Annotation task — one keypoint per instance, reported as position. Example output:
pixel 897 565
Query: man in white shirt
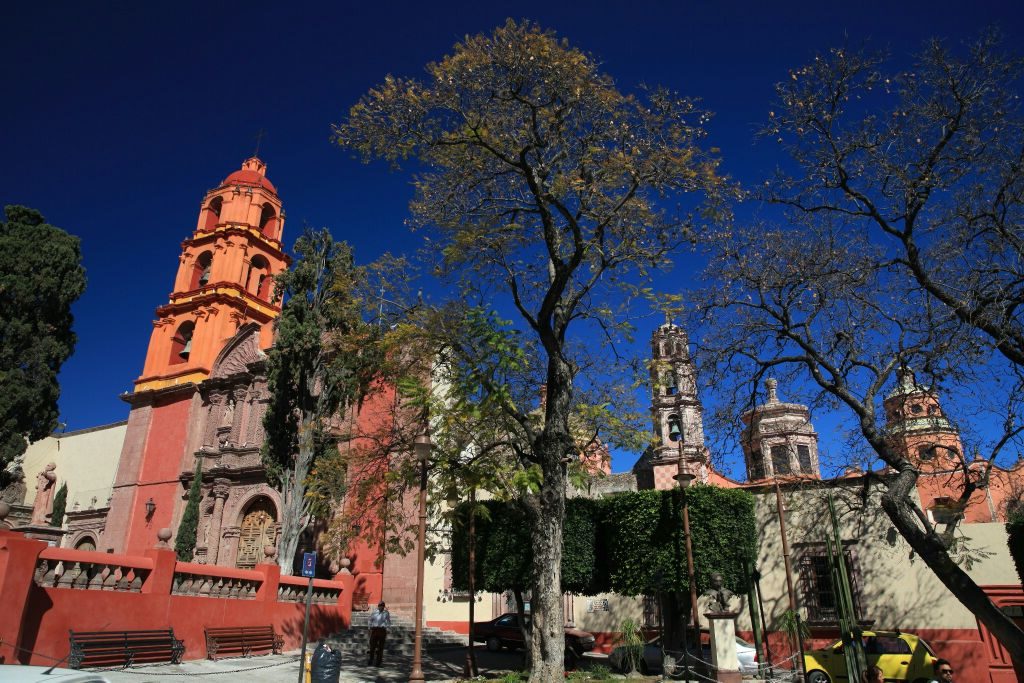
pixel 943 671
pixel 380 621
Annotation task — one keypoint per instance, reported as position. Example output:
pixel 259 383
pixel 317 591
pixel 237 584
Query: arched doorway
pixel 86 543
pixel 258 529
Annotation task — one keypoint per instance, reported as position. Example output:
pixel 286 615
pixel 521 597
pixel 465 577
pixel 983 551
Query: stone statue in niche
pixel 43 503
pixel 229 413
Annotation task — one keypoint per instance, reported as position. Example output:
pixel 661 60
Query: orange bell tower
pixel 224 280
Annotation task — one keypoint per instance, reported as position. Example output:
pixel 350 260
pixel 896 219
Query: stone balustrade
pixel 87 570
pixel 215 582
pixel 293 589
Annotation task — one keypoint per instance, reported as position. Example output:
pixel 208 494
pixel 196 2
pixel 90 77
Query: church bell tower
pixel 676 410
pixel 224 280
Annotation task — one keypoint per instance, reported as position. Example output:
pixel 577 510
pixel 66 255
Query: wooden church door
pixel 259 529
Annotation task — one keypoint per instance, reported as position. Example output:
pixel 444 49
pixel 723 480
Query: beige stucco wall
pixel 86 460
pixel 437 609
pixel 897 589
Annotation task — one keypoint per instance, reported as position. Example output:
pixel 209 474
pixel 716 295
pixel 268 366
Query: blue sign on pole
pixel 308 565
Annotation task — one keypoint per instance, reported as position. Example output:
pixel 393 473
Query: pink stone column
pixel 220 494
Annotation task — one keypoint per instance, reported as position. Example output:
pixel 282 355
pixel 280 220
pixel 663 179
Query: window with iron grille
pixel 651 611
pixel 780 459
pixel 803 454
pixel 819 595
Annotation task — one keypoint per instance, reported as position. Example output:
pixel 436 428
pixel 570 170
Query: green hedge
pixel 630 543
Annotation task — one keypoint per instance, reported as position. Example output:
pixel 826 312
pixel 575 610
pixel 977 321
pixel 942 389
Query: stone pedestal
pixel 42 532
pixel 723 646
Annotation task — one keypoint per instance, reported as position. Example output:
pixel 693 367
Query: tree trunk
pixel 933 552
pixel 548 631
pixel 293 501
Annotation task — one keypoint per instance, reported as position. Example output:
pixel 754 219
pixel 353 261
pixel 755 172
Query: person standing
pixel 380 621
pixel 943 671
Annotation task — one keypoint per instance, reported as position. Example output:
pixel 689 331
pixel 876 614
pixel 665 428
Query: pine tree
pixel 60 503
pixel 185 540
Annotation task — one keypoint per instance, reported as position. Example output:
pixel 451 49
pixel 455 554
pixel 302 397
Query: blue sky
pixel 117 117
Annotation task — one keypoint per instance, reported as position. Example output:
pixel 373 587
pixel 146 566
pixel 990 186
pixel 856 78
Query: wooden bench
pixel 242 640
pixel 124 648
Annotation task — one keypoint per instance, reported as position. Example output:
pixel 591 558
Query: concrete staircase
pixel 354 642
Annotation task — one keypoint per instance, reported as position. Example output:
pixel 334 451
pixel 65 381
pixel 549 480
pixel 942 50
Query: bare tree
pixel 903 202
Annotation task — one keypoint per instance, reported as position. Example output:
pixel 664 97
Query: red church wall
pixel 375 416
pixel 37 619
pixel 158 473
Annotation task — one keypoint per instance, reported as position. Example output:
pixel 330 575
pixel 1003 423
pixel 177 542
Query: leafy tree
pixel 542 183
pixel 323 362
pixel 60 504
pixel 188 528
pixel 41 275
pixel 903 203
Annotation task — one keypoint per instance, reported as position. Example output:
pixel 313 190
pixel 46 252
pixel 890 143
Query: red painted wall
pixel 40 626
pixel 158 474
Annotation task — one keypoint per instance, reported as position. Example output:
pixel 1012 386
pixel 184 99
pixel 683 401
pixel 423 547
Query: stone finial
pixel 771 385
pixel 345 564
pixel 5 509
pixel 163 535
pixel 269 551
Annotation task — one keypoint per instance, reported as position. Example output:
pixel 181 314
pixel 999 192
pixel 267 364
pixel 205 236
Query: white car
pixel 15 673
pixel 655 660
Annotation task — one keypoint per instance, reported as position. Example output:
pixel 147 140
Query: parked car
pixel 505 632
pixel 655 660
pixel 15 673
pixel 900 656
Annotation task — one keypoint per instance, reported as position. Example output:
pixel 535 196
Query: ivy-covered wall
pixel 629 543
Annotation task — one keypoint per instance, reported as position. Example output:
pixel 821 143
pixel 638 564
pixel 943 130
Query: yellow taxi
pixel 900 656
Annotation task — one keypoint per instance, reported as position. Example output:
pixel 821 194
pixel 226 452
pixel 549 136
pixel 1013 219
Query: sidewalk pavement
pixel 438 665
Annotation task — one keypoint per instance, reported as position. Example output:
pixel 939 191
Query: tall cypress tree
pixel 185 540
pixel 41 275
pixel 323 359
pixel 60 503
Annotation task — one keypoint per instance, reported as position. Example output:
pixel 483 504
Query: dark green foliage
pixel 580 550
pixel 630 543
pixel 323 359
pixel 503 554
pixel 643 533
pixel 1015 539
pixel 60 504
pixel 503 550
pixel 724 535
pixel 185 539
pixel 41 275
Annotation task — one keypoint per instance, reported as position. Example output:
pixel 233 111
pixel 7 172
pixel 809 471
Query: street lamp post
pixel 469 668
pixel 422 447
